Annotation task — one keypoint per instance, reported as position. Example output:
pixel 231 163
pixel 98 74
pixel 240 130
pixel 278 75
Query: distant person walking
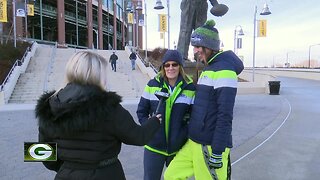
pixel 88 123
pixel 113 60
pixel 133 58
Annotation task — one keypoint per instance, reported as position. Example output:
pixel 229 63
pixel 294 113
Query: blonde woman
pixel 88 123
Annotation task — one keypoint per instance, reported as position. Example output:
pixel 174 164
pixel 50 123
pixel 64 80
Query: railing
pixel 16 63
pixel 148 64
pixel 49 68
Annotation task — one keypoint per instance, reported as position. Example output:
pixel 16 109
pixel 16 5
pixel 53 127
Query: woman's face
pixel 201 54
pixel 171 69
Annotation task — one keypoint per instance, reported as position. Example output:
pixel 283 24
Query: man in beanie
pixel 206 155
pixel 175 113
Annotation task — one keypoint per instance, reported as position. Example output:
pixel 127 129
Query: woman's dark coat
pixel 88 125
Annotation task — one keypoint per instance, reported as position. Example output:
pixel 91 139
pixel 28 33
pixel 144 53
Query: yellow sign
pixel 162 22
pixel 30 8
pixel 130 18
pixel 3 11
pixel 262 28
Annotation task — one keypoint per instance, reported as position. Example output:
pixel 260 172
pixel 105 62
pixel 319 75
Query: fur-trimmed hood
pixel 75 108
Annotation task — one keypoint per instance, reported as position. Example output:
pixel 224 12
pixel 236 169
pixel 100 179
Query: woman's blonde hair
pixel 87 68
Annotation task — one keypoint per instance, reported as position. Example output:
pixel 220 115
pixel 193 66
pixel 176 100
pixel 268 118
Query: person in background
pixel 206 155
pixel 88 123
pixel 133 58
pixel 173 132
pixel 113 60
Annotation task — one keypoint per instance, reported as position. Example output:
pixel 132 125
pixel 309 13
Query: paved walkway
pixel 18 126
pixel 263 126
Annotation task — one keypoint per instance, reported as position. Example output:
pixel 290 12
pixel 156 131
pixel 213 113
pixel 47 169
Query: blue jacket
pixel 212 112
pixel 172 134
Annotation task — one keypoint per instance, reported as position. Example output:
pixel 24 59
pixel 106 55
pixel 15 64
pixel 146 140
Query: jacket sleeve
pixel 143 110
pixel 129 132
pixel 225 102
pixel 51 165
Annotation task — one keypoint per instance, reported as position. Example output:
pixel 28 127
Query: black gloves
pixel 215 161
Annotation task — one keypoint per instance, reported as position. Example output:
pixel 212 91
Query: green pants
pixel 190 161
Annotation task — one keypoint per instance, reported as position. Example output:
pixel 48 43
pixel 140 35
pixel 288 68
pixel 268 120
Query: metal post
pixel 14 23
pixel 254 42
pixel 146 29
pixel 235 40
pixel 26 18
pixel 309 59
pixel 41 21
pixel 168 23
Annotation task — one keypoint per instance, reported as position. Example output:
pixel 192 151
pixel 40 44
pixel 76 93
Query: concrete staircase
pixel 31 84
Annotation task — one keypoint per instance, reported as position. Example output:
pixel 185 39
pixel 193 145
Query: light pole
pixel 265 11
pixel 237 32
pixel 158 7
pixel 14 23
pixel 146 29
pixel 133 6
pixel 287 59
pixel 309 60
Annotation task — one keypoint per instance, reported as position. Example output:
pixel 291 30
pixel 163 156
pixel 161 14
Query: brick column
pixel 61 24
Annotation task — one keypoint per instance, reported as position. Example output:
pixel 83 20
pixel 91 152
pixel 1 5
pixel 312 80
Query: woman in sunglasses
pixel 172 134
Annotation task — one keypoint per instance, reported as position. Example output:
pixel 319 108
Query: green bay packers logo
pixel 34 151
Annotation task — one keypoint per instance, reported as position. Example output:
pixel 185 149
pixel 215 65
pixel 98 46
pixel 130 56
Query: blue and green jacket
pixel 175 113
pixel 212 112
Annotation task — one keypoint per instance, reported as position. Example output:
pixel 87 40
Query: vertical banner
pixel 30 9
pixel 262 28
pixel 162 22
pixel 141 20
pixel 130 18
pixel 20 9
pixel 3 11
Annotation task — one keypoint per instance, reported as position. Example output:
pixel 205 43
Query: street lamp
pixel 287 64
pixel 265 11
pixel 309 62
pixel 160 6
pixel 133 7
pixel 237 32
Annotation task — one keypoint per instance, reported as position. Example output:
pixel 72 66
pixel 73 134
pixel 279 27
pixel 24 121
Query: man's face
pixel 201 54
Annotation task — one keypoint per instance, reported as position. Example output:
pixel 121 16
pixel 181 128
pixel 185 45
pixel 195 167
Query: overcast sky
pixel 291 29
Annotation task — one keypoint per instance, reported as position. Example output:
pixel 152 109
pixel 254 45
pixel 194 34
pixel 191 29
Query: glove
pixel 215 161
pixel 157 117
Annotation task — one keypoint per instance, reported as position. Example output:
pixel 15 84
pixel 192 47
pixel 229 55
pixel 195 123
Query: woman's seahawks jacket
pixel 175 113
pixel 212 112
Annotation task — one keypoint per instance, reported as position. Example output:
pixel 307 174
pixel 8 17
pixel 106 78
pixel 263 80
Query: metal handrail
pixel 49 68
pixel 18 62
pixel 148 64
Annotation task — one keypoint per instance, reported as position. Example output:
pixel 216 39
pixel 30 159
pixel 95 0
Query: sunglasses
pixel 168 65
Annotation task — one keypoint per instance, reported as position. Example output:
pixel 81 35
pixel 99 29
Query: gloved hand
pixel 158 117
pixel 215 161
